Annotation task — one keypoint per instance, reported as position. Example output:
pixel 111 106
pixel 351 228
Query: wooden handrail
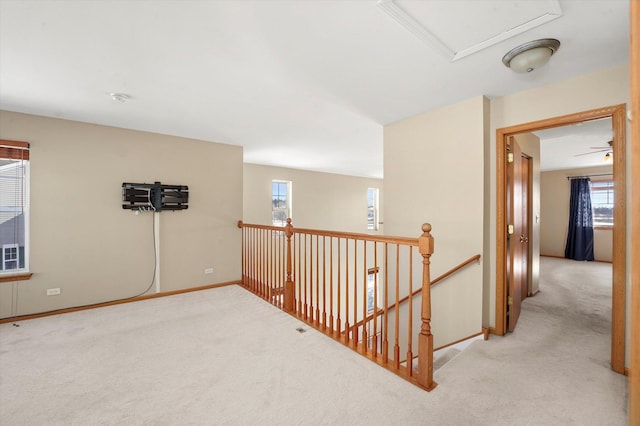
pixel 445 275
pixel 417 292
pixel 347 235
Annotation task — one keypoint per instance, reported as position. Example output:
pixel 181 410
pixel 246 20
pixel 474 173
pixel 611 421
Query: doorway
pixel 617 115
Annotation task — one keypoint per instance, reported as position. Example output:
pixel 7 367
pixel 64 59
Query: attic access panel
pixel 459 29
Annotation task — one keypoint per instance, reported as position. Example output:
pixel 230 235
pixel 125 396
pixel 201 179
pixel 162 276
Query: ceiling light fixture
pixel 120 97
pixel 531 55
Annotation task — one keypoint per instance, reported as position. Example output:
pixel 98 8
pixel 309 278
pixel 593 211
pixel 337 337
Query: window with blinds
pixel 602 193
pixel 280 202
pixel 372 209
pixel 14 206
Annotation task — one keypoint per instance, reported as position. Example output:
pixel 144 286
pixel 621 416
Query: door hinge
pixel 510 300
pixel 510 157
pixel 510 229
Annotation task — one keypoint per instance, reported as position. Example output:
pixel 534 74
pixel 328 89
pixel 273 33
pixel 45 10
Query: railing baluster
pixel 251 257
pixel 385 337
pixel 271 284
pixel 346 292
pixel 306 283
pixel 280 274
pixel 331 319
pixel 299 277
pixel 354 338
pixel 375 299
pixel 256 261
pixel 260 262
pixel 410 322
pixel 317 282
pixel 324 282
pixel 396 347
pixel 365 333
pixel 250 250
pixel 265 264
pixel 338 327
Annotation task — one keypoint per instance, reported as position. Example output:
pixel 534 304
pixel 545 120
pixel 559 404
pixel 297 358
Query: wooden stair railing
pixel 417 292
pixel 321 277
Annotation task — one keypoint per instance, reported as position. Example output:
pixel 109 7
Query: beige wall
pixel 556 190
pixel 319 200
pixel 434 172
pixel 599 89
pixel 83 242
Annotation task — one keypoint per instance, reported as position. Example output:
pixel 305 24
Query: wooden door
pixel 525 230
pixel 515 234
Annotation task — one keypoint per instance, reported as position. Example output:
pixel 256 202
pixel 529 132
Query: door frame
pixel 617 115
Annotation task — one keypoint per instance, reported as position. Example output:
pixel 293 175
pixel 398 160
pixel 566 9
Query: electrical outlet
pixel 208 271
pixel 53 291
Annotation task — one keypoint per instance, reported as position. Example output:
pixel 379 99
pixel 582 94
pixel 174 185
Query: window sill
pixel 22 276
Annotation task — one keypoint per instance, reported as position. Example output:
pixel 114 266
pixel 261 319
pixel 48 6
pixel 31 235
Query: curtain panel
pixel 580 233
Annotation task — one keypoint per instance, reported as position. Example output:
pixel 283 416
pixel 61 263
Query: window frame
pixel 373 194
pixel 287 208
pixel 20 152
pixel 16 259
pixel 608 187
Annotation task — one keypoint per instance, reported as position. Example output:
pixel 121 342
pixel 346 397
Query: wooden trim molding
pixel 482 333
pixel 464 339
pixel 617 114
pixel 9 278
pixel 115 302
pixel 634 352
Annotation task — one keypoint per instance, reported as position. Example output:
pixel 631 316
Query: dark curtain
pixel 580 236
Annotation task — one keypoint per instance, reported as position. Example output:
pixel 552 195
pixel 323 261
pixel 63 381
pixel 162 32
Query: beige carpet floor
pixel 225 357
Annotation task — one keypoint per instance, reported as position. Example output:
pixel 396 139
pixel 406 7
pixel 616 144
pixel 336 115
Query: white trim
pixel 17 258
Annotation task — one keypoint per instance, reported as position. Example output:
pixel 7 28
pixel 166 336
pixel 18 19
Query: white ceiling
pixel 575 146
pixel 304 84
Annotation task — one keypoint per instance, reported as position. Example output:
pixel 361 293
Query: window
pixel 372 280
pixel 372 209
pixel 10 256
pixel 280 202
pixel 14 205
pixel 602 203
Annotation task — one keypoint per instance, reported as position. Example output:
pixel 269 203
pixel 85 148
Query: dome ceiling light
pixel 531 55
pixel 120 97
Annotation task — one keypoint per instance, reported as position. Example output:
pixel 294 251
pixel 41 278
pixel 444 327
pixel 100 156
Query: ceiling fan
pixel 608 149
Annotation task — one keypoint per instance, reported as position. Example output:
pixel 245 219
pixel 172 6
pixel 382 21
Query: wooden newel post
pixel 425 338
pixel 289 288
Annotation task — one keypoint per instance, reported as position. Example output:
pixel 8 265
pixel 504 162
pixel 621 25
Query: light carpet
pixel 224 356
